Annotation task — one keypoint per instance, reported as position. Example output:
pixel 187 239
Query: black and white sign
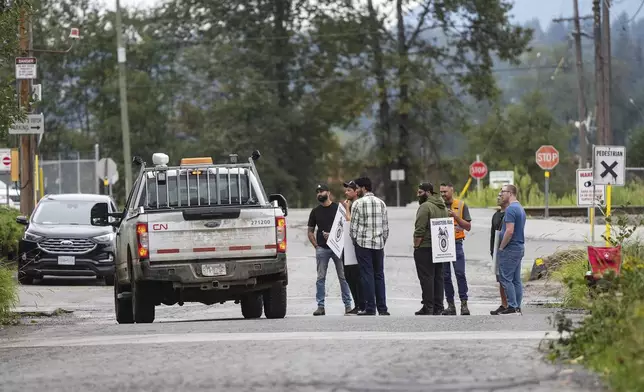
pixel 609 165
pixel 336 236
pixel 26 68
pixel 443 240
pixel 585 189
pixel 35 125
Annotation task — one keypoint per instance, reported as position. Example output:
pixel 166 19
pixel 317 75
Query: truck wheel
pixel 251 305
pixel 25 279
pixel 122 307
pixel 142 303
pixel 275 302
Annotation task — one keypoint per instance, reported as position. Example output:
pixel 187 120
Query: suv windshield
pixel 58 212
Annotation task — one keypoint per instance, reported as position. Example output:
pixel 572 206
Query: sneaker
pixel 510 310
pixel 497 310
pixel 352 312
pixel 464 310
pixel 319 312
pixel 348 310
pixel 424 312
pixel 365 313
pixel 450 311
pixel 384 313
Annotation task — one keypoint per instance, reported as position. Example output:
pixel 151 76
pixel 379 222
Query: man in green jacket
pixel 430 274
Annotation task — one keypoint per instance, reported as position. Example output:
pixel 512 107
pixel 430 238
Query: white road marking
pixel 275 336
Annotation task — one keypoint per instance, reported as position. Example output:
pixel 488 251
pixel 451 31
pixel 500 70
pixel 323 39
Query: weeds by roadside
pixel 610 339
pixel 10 233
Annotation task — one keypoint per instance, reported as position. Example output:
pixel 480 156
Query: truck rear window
pixel 194 190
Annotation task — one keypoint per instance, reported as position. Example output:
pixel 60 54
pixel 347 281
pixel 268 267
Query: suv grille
pixel 67 245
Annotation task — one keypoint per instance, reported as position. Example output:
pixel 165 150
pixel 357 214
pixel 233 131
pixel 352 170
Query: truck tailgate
pixel 212 233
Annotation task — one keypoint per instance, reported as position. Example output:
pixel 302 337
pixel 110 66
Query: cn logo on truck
pixel 159 226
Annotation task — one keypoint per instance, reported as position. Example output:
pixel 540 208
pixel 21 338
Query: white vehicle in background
pixel 198 232
pixel 14 196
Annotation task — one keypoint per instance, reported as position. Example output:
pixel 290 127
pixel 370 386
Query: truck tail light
pixel 142 240
pixel 280 230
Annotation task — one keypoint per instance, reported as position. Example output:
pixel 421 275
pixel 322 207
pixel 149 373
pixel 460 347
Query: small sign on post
pixel 587 194
pixel 547 158
pixel 5 160
pixel 35 125
pixel 26 68
pixel 478 170
pixel 397 176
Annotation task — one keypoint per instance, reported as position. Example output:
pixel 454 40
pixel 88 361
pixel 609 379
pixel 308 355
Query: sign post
pixel 547 158
pixel 609 168
pixel 398 176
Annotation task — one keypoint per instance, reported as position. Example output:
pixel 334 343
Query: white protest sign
pixel 495 257
pixel 336 235
pixel 349 250
pixel 443 240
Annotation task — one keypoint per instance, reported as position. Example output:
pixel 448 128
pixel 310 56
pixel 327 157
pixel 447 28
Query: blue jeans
pixel 372 278
pixel 459 271
pixel 322 256
pixel 510 275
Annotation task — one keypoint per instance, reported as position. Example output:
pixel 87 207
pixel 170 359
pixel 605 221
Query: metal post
pixel 78 171
pixel 547 188
pixel 397 193
pixel 60 175
pixel 97 157
pixel 478 180
pixel 26 141
pixel 125 122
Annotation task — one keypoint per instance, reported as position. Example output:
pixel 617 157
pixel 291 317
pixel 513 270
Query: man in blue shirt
pixel 512 249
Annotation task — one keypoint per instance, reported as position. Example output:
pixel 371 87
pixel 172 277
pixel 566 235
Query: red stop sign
pixel 547 157
pixel 6 160
pixel 478 170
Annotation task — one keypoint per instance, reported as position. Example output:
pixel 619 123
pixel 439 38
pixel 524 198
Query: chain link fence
pixel 73 172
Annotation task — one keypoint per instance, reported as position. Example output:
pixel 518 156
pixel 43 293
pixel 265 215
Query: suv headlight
pixel 31 237
pixel 109 237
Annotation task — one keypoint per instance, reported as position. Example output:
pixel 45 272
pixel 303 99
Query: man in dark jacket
pixel 430 274
pixel 497 222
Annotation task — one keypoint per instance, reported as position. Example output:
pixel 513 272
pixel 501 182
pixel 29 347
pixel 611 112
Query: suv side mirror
pixel 22 220
pixel 281 201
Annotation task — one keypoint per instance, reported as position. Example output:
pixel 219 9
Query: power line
pixel 637 12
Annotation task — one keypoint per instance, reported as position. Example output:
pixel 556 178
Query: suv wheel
pixel 275 302
pixel 122 307
pixel 251 305
pixel 142 303
pixel 25 279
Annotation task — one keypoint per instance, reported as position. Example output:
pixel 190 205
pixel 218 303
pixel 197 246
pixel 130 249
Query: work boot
pixel 451 310
pixel 464 310
pixel 319 312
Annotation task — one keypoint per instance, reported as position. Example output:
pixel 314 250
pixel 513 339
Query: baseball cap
pixel 426 186
pixel 350 184
pixel 321 188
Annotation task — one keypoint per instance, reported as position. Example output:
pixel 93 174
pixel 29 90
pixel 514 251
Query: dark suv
pixel 59 239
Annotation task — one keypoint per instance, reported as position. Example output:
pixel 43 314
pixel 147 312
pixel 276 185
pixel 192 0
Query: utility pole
pixel 606 53
pixel 125 121
pixel 599 73
pixel 27 142
pixel 581 99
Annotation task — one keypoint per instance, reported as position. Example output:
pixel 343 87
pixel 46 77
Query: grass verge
pixel 10 233
pixel 609 340
pixel 8 294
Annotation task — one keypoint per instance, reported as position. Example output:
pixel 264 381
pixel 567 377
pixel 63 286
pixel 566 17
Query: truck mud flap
pixel 206 213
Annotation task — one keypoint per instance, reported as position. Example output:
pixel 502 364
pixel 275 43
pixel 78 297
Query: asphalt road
pixel 205 348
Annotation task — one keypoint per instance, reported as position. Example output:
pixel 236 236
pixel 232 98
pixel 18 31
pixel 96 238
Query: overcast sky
pixel 523 10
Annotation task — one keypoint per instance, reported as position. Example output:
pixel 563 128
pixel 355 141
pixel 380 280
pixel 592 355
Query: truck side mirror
pixel 99 215
pixel 281 201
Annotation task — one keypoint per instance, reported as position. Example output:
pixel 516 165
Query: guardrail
pixel 570 212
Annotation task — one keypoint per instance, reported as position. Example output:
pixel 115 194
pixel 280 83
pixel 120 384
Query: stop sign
pixel 547 157
pixel 478 170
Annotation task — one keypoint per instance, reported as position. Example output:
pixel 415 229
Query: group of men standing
pixel 369 231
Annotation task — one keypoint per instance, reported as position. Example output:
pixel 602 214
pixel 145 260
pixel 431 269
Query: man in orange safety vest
pixel 462 222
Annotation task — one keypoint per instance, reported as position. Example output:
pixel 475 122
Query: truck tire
pixel 25 279
pixel 122 307
pixel 251 305
pixel 275 302
pixel 142 304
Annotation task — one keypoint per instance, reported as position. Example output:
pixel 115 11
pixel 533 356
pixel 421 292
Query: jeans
pixel 352 272
pixel 322 256
pixel 510 275
pixel 372 278
pixel 459 271
pixel 430 275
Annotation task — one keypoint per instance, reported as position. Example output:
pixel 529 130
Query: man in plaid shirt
pixel 369 231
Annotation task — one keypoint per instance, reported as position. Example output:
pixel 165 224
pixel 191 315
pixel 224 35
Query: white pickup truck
pixel 198 232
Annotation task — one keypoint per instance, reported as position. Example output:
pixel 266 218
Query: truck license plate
pixel 66 260
pixel 213 269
